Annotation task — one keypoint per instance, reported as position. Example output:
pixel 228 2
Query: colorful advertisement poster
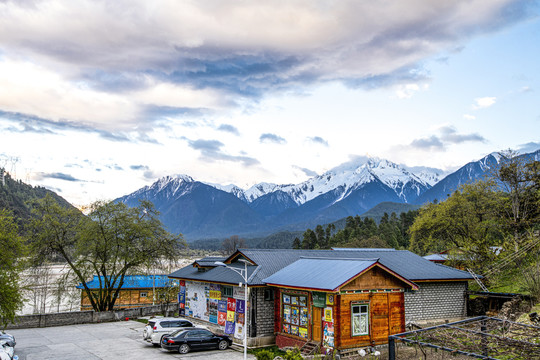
pixel 222 305
pixel 328 315
pixel 295 315
pixel 230 316
pixel 302 301
pixel 215 294
pixel 303 316
pixel 229 327
pixel 328 334
pixel 303 332
pixel 182 283
pixel 240 306
pixel 239 332
pixel 294 300
pixel 222 318
pixel 215 287
pixel 286 299
pixel 213 311
pixel 319 299
pixel 329 299
pixel 231 304
pixel 287 313
pixel 240 318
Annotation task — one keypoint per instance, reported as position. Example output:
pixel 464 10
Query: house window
pixel 226 291
pixel 294 317
pixel 360 319
pixel 144 294
pixel 268 295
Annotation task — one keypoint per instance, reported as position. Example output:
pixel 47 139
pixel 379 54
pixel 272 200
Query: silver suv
pixel 157 328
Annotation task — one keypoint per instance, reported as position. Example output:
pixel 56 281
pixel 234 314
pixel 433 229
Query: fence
pixel 88 317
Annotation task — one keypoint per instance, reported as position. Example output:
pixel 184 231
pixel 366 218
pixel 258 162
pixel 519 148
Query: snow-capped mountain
pixel 201 210
pixel 348 176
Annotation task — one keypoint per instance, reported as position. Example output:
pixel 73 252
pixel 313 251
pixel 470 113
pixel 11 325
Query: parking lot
pixel 115 340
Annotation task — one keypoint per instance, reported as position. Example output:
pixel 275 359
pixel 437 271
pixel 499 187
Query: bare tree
pixel 232 243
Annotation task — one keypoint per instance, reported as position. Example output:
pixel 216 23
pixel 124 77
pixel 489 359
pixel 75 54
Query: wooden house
pixel 137 290
pixel 378 288
pixel 339 303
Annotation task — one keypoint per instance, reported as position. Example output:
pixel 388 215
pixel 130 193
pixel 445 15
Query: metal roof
pixel 133 282
pixel 209 261
pixel 436 257
pixel 319 273
pixel 270 261
pixel 218 274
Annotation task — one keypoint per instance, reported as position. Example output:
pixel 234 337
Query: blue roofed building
pixel 136 291
pixel 338 298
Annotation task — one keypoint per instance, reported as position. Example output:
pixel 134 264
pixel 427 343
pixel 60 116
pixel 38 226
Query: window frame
pixel 143 294
pixel 360 314
pixel 226 291
pixel 299 306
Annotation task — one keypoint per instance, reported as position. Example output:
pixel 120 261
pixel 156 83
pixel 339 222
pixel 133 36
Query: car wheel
pixel 223 345
pixel 183 349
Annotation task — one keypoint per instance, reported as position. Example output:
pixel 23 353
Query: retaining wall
pixel 86 317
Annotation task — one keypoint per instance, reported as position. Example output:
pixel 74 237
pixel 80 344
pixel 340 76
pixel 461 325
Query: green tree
pixel 296 243
pixel 467 221
pixel 112 242
pixel 11 265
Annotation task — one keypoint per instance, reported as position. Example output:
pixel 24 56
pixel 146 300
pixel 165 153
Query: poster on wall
pixel 222 305
pixel 303 316
pixel 231 304
pixel 239 332
pixel 287 313
pixel 328 334
pixel 286 299
pixel 213 313
pixel 328 315
pixel 222 318
pixel 319 299
pixel 240 318
pixel 329 299
pixel 230 316
pixel 240 306
pixel 303 332
pixel 229 327
pixel 295 315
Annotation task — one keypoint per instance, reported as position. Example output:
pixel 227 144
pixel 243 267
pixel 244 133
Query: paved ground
pixel 116 340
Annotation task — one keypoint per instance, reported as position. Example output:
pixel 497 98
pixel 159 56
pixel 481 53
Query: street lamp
pixel 244 275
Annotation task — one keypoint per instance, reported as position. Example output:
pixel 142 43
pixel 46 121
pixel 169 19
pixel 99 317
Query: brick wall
pixel 436 301
pixel 285 341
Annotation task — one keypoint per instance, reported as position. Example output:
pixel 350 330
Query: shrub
pixel 265 355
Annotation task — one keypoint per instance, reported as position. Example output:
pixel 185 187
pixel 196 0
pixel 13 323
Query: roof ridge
pixel 336 258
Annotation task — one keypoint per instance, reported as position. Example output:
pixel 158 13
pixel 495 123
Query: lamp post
pixel 243 274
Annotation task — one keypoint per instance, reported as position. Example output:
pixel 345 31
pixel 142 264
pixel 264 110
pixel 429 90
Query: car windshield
pixel 177 333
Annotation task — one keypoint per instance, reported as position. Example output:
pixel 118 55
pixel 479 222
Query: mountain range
pixel 201 210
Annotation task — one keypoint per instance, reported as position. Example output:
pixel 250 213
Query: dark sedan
pixel 185 340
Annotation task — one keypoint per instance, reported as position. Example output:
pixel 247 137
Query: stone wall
pixel 265 313
pixel 436 301
pixel 85 317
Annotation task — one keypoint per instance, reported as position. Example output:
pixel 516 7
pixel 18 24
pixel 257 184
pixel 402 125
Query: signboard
pixel 319 299
pixel 215 294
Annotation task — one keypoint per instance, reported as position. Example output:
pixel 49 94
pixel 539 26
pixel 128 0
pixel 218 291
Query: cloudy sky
pixel 99 98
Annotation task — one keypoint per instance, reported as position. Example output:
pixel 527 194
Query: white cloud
pixel 484 102
pixel 469 117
